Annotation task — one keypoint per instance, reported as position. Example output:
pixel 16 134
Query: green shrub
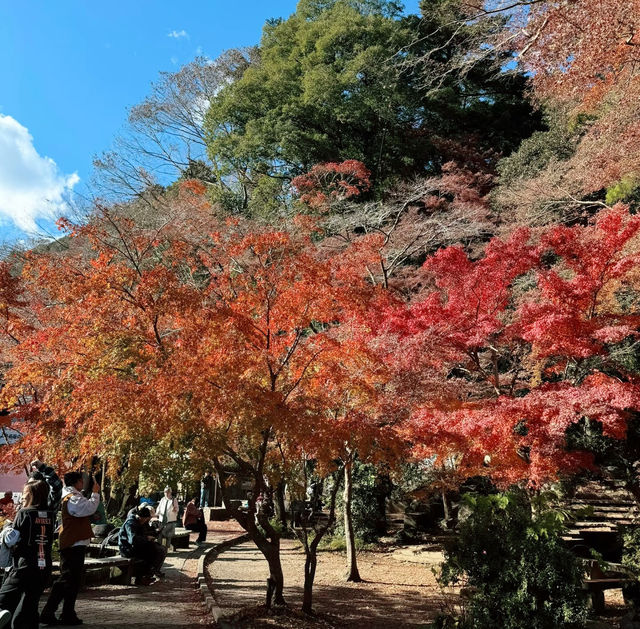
pixel 514 562
pixel 631 548
pixel 369 491
pixel 623 190
pixel 337 543
pixel 631 559
pixel 115 521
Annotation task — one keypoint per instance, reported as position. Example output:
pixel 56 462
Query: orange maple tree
pixel 238 339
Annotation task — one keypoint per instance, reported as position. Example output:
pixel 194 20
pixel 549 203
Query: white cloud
pixel 178 34
pixel 31 186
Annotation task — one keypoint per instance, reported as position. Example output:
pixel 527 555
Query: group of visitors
pixel 26 549
pixel 26 543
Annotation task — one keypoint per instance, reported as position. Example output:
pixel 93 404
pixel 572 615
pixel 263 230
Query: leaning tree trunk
pixel 268 542
pixel 352 563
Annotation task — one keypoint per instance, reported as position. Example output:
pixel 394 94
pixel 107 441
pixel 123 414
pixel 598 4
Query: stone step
pixel 594 524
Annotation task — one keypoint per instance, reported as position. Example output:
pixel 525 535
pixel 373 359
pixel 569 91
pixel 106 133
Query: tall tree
pixel 591 152
pixel 335 82
pixel 221 335
pixel 164 135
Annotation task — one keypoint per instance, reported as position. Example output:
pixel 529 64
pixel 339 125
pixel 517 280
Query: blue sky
pixel 69 69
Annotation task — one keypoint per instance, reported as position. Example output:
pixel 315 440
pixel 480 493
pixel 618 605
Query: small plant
pixel 115 521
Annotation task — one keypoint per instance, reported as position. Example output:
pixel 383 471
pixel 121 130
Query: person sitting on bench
pixel 134 543
pixel 193 520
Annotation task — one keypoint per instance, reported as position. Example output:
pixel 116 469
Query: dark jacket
pixel 133 535
pixel 206 483
pixel 33 551
pixel 47 474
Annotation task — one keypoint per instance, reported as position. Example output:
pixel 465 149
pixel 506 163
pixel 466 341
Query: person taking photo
pixel 75 536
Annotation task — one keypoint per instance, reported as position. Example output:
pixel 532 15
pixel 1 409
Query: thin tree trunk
pixel 311 549
pixel 310 563
pixel 445 505
pixel 353 573
pixel 279 503
pixel 128 500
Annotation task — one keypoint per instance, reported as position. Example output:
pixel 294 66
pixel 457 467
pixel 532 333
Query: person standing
pixel 42 471
pixel 30 537
pixel 75 536
pixel 193 520
pixel 206 486
pixel 167 514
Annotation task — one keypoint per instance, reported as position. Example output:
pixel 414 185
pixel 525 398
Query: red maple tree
pixel 515 347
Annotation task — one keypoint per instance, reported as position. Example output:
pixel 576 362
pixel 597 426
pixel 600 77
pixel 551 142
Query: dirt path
pixel 395 594
pixel 168 604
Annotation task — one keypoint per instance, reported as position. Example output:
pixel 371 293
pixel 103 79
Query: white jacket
pixel 168 507
pixel 81 507
pixel 9 537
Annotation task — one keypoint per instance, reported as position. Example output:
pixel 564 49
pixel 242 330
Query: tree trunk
pixel 352 564
pixel 275 582
pixel 279 504
pixel 310 563
pixel 268 542
pixel 311 548
pixel 129 500
pixel 446 506
pixel 383 491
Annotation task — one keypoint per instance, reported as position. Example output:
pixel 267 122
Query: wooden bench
pixel 102 564
pixel 614 577
pixel 180 539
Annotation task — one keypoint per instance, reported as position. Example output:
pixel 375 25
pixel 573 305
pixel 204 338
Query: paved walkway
pixel 171 603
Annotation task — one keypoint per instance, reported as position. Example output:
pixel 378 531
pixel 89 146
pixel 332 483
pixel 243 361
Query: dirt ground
pixel 394 594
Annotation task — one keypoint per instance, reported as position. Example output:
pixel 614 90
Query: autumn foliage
pixel 331 182
pixel 470 317
pixel 521 345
